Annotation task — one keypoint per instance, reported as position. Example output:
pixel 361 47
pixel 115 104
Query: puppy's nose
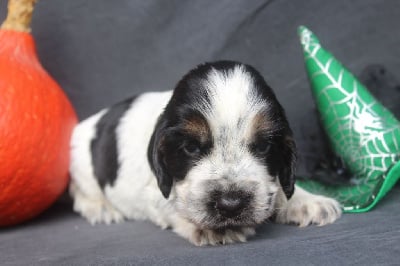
pixel 230 205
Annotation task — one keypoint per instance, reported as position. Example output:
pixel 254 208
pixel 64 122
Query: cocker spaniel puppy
pixel 211 159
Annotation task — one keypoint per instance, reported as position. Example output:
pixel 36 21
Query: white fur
pixel 135 194
pixel 232 96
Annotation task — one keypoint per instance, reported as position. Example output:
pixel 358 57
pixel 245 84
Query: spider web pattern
pixel 361 130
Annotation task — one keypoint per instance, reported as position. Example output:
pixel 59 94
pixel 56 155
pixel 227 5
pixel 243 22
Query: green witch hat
pixel 361 130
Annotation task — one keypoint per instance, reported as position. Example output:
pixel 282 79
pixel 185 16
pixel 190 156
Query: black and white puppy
pixel 212 159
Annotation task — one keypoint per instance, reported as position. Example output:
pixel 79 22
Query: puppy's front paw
pixel 310 209
pixel 203 237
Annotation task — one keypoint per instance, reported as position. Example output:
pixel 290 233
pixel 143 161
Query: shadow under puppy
pixel 212 159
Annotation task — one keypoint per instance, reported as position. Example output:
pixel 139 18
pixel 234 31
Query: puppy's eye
pixel 191 148
pixel 262 148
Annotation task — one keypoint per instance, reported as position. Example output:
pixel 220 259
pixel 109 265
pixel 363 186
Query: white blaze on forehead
pixel 233 98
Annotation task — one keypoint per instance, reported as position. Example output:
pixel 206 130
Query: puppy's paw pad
pixel 315 209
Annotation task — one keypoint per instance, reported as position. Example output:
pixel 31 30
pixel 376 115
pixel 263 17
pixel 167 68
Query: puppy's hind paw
pixel 97 210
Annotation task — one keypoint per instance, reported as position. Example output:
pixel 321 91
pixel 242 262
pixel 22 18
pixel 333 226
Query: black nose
pixel 230 205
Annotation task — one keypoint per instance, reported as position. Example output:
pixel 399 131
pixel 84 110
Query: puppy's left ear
pixel 156 157
pixel 287 170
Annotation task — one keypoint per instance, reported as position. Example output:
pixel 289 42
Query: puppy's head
pixel 223 148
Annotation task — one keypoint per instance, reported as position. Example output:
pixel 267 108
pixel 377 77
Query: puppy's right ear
pixel 156 157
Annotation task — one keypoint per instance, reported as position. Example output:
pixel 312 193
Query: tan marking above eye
pixel 261 122
pixel 197 126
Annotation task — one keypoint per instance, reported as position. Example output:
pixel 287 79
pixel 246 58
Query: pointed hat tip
pixel 306 36
pixel 301 29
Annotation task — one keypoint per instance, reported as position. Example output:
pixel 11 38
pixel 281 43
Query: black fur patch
pixel 104 145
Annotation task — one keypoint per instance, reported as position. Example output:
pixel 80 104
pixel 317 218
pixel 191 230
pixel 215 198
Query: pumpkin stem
pixel 19 15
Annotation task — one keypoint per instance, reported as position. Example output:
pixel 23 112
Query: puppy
pixel 212 160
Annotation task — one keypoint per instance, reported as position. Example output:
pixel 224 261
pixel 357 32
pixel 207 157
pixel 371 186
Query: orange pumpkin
pixel 36 122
